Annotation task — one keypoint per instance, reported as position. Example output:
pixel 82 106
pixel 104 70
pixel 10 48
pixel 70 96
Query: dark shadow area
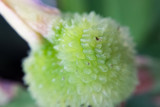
pixel 12 50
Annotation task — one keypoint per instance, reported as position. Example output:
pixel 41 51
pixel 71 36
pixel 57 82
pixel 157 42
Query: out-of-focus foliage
pixel 22 99
pixel 141 16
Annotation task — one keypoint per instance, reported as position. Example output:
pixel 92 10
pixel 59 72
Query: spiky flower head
pixel 82 61
pixel 86 60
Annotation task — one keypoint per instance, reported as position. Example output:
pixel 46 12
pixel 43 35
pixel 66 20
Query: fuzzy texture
pixel 85 61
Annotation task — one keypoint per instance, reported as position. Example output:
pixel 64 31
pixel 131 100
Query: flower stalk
pixel 29 18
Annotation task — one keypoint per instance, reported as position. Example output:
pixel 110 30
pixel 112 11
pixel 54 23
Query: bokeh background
pixel 141 16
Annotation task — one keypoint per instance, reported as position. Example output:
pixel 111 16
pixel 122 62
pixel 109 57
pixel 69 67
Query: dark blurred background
pixel 141 16
pixel 12 50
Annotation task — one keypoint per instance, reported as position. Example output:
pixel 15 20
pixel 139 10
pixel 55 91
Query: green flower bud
pixel 78 60
pixel 83 61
